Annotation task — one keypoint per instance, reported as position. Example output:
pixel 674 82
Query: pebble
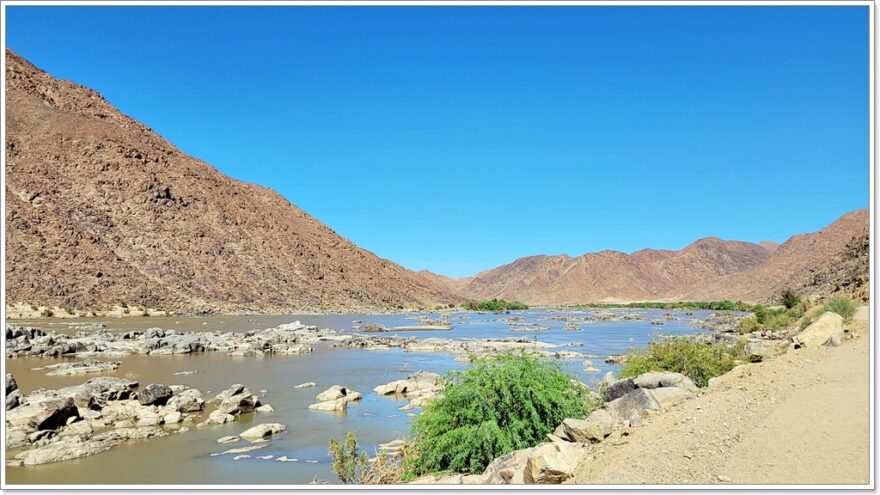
pixel 723 479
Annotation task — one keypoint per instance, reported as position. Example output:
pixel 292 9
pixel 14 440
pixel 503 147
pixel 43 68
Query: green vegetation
pixel 699 361
pixel 68 310
pixel 47 313
pixel 493 408
pixel 494 305
pixel 355 467
pixel 709 305
pixel 790 298
pixel 843 306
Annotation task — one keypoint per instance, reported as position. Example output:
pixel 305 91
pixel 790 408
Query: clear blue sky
pixel 459 139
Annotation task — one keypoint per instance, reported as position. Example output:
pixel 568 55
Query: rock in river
pixel 262 431
pixel 154 394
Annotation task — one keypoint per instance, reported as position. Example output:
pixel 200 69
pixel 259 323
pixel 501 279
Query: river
pixel 185 458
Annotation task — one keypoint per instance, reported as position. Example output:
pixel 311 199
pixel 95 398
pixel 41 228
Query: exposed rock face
pixel 552 463
pixel 101 209
pixel 154 394
pixel 633 404
pixel 593 429
pixel 831 261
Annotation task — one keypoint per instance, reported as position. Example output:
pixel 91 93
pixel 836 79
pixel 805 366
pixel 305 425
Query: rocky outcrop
pixel 595 428
pixel 154 393
pixel 419 388
pixel 261 431
pixel 335 399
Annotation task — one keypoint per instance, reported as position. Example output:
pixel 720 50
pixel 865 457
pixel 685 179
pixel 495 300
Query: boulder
pixel 657 379
pixel 13 399
pixel 670 396
pixel 593 429
pixel 552 463
pixel 825 327
pixel 261 431
pixel 228 439
pixel 332 393
pixel 189 400
pixel 11 384
pixel 154 394
pixel 46 414
pixel 265 408
pixel 508 469
pixel 338 405
pixel 239 404
pixel 635 403
pixel 618 389
pixel 16 437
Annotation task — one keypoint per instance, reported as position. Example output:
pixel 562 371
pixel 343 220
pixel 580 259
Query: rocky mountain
pixel 100 210
pixel 830 261
pixel 833 259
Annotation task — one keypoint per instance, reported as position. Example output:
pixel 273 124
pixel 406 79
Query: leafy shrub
pixel 68 310
pixel 47 313
pixel 790 298
pixel 776 318
pixel 494 305
pixel 748 325
pixel 492 408
pixel 843 306
pixel 699 361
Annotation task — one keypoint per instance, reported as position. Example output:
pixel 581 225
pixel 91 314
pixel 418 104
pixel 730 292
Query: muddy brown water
pixel 185 458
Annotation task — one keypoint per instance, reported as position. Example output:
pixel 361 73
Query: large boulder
pixel 13 399
pixel 509 469
pixel 633 404
pixel 618 389
pixel 154 394
pixel 552 463
pixel 670 396
pixel 827 327
pixel 658 379
pixel 189 400
pixel 338 405
pixel 332 393
pixel 593 429
pixel 262 431
pixel 45 414
pixel 239 404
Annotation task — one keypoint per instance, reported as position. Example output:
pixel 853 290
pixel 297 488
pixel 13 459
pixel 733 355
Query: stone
pixel 305 385
pixel 186 401
pixel 265 408
pixel 149 418
pixel 332 393
pixel 219 417
pixel 11 384
pixel 240 404
pixel 13 399
pixel 45 414
pixel 670 396
pixel 338 405
pixel 154 394
pixel 228 439
pixel 16 437
pixel 817 333
pixel 508 469
pixel 635 403
pixel 657 379
pixel 264 430
pixel 593 429
pixel 553 463
pixel 618 389
pixel 173 418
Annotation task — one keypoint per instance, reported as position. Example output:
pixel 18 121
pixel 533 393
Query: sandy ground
pixel 801 418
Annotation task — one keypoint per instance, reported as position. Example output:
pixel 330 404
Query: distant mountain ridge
pixel 100 210
pixel 709 268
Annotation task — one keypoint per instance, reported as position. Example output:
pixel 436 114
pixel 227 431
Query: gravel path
pixel 801 418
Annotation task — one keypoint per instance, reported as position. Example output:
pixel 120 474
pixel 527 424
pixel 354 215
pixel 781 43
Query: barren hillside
pixel 101 210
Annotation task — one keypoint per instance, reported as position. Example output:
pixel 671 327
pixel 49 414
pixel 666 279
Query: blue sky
pixel 459 139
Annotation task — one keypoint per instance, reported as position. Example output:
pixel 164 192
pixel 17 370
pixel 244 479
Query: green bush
pixel 843 306
pixel 748 325
pixel 790 298
pixel 494 305
pixel 776 318
pixel 699 361
pixel 494 407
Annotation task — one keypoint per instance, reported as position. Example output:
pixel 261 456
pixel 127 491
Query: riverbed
pixel 186 458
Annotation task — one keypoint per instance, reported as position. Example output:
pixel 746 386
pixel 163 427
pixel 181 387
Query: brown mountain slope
pixel 101 210
pixel 612 275
pixel 836 256
pixel 833 260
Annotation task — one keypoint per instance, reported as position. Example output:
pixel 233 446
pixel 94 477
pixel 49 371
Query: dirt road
pixel 801 418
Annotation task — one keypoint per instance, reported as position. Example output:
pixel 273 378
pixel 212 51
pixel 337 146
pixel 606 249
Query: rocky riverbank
pixel 577 449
